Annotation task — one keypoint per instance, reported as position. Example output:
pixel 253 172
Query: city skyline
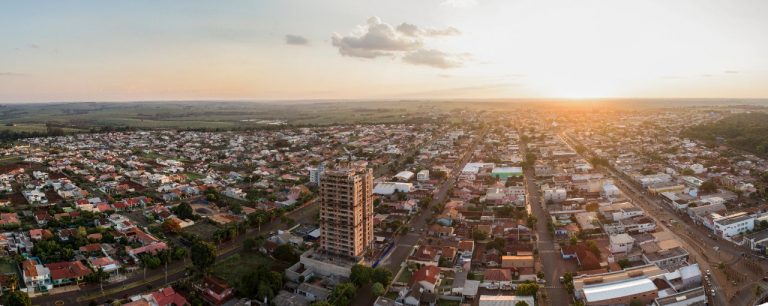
pixel 441 49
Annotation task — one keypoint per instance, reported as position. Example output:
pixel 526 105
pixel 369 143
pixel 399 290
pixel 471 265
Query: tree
pixel 236 208
pixel 19 298
pixel 285 253
pixel 171 226
pixel 184 211
pixel 378 289
pixel 100 275
pixel 381 275
pixel 624 263
pixel 203 255
pixel 322 303
pixel 178 253
pixel 342 294
pixel 13 281
pixel 265 292
pixel 530 159
pixel 521 303
pixel 261 283
pixel 635 302
pixel 360 275
pixel 708 186
pixel 497 243
pixel 527 289
pixel 479 235
pixel 248 244
pixel 530 221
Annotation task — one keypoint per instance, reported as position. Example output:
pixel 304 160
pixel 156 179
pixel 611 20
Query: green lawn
pixel 8 267
pixel 10 160
pixel 194 176
pixel 405 276
pixel 391 295
pixel 447 303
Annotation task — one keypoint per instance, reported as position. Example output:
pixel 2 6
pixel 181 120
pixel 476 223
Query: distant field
pixel 31 127
pixel 212 115
pixel 228 115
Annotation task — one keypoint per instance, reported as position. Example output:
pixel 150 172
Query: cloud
pixel 406 41
pixel 408 29
pixel 33 46
pixel 435 58
pixel 459 3
pixel 415 31
pixel 731 71
pixel 296 40
pixel 374 39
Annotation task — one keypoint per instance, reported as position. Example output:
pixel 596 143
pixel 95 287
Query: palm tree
pixel 101 276
pixel 13 281
pixel 165 256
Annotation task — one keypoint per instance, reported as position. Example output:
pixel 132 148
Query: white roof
pixel 470 287
pixel 505 300
pixel 387 188
pixel 404 175
pixel 507 170
pixel 690 271
pixel 475 167
pixel 629 287
pixel 314 233
pixel 621 239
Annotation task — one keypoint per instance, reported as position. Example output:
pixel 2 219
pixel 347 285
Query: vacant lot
pixel 233 268
pixel 202 229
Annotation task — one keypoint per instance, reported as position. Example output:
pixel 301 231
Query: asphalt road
pixel 549 256
pixel 135 283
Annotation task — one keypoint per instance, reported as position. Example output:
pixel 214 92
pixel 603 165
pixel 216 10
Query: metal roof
pixel 629 287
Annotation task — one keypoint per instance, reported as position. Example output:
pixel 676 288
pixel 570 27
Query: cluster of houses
pixel 717 190
pixel 619 253
pixel 480 238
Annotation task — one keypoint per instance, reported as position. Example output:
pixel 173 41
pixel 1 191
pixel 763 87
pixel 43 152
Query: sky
pixel 333 49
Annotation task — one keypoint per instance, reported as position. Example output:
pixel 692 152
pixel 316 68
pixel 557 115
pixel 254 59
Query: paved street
pixel 549 256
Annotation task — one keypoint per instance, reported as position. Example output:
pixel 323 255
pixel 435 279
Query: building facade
pixel 346 211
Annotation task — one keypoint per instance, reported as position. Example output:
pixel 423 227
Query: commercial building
pixel 621 292
pixel 422 176
pixel 621 243
pixel 601 284
pixel 346 211
pixel 735 224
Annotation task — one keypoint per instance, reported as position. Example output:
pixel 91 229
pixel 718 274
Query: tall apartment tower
pixel 346 211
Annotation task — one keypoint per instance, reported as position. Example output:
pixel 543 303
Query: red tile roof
pixel 426 273
pixel 67 270
pixel 498 275
pixel 167 296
